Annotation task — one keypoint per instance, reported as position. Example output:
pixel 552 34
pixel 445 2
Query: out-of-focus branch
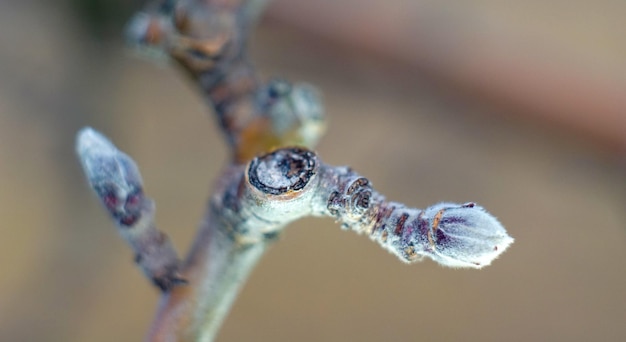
pixel 208 40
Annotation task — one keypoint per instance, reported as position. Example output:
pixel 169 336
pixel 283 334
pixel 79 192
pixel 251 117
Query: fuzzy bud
pixel 115 178
pixel 461 235
pixel 113 175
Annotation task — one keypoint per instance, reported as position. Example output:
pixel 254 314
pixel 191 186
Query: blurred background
pixel 518 106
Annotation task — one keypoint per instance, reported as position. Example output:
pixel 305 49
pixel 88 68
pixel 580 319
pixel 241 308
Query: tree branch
pixel 269 184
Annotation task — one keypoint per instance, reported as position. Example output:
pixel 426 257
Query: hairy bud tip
pixel 112 174
pixel 465 235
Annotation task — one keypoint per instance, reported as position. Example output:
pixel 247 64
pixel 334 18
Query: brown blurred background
pixel 518 107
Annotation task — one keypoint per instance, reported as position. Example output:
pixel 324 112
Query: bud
pixel 296 112
pixel 113 175
pixel 115 178
pixel 462 235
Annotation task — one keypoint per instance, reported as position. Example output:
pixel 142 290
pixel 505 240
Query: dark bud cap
pixel 283 171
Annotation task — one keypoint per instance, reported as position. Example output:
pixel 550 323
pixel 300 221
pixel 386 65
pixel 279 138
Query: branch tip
pixel 454 235
pixel 113 175
pixel 464 235
pixel 116 180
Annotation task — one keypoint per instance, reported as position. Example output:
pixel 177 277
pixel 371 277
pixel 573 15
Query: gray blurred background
pixel 517 107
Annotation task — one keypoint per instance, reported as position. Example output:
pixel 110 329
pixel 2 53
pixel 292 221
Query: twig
pixel 116 180
pixel 268 185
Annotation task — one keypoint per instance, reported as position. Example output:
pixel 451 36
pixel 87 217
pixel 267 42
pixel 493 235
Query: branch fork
pixel 274 179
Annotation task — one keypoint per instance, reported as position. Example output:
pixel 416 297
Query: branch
pixel 292 183
pixel 454 235
pixel 207 39
pixel 275 189
pixel 268 185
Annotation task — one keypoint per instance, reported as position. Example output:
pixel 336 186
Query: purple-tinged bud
pixel 463 235
pixel 115 178
pixel 113 175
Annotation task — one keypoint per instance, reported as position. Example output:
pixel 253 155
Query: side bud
pixel 115 178
pixel 113 175
pixel 296 112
